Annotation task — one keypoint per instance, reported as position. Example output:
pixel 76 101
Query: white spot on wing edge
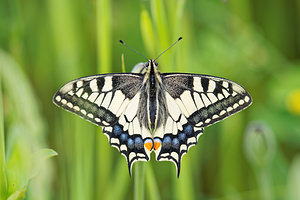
pixel 90 115
pixel 63 101
pixel 207 121
pixel 115 140
pixel 211 86
pixel 79 84
pixel 107 84
pixel 183 147
pixel 70 105
pixel 237 88
pixel 235 106
pixel 229 109
pixel 66 88
pixel 197 84
pixel 58 98
pixel 175 156
pixel 76 108
pixel 222 112
pixel 225 84
pixel 191 140
pixel 247 99
pixel 123 147
pixel 131 156
pixel 94 86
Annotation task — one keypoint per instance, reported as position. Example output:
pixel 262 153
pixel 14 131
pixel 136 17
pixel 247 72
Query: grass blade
pixel 104 157
pixel 3 183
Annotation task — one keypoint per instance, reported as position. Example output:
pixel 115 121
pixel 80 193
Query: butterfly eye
pixel 155 63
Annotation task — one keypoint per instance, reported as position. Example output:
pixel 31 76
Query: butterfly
pixel 152 111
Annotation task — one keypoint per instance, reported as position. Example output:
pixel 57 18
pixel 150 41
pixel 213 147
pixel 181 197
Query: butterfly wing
pixel 110 101
pixel 194 102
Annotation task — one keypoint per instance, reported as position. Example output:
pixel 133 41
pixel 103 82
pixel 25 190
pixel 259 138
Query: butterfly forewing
pixel 205 100
pixel 98 98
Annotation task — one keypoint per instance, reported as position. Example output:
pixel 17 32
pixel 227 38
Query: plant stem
pixel 3 184
pixel 104 163
pixel 139 181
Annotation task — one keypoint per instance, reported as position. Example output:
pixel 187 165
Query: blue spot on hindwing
pixel 130 143
pixel 139 144
pixel 167 142
pixel 181 137
pixel 188 130
pixel 123 137
pixel 117 130
pixel 175 143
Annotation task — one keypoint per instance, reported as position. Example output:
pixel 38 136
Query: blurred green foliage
pixel 44 44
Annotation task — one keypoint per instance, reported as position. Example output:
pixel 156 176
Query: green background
pixel 47 153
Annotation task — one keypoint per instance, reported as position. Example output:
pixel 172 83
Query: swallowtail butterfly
pixel 152 111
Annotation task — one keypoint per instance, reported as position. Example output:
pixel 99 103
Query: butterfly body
pixel 152 111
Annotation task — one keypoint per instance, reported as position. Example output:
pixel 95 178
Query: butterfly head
pixel 151 64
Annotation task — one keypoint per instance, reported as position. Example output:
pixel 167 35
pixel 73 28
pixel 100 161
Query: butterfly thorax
pixel 152 82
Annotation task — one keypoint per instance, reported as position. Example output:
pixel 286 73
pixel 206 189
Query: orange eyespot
pixel 157 144
pixel 149 144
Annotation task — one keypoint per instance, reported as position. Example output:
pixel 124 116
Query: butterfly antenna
pixel 168 48
pixel 121 41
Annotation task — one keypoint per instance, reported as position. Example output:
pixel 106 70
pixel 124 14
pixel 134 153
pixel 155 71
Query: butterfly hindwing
pixel 175 136
pixel 128 135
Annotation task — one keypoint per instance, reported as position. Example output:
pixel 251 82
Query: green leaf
pixel 17 195
pixel 48 153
